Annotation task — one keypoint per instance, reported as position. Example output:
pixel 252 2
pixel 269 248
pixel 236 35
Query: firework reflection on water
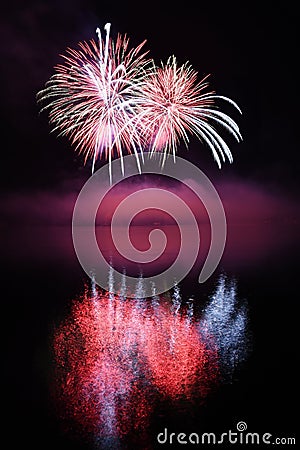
pixel 117 358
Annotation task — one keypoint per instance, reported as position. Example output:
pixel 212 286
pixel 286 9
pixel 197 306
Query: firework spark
pixel 91 97
pixel 173 105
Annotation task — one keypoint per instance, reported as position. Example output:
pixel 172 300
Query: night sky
pixel 251 53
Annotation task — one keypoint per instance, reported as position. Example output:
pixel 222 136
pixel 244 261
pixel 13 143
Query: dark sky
pixel 248 49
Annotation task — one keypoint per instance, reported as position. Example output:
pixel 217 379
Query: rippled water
pixel 118 358
pixel 97 370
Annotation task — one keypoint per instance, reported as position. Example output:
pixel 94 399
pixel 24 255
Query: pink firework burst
pixel 110 100
pixel 91 97
pixel 173 104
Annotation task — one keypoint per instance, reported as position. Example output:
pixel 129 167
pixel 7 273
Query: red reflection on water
pixel 180 362
pixel 115 358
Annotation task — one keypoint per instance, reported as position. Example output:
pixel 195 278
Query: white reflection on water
pixel 225 324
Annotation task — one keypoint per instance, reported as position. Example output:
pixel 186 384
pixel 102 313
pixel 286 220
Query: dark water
pixel 198 359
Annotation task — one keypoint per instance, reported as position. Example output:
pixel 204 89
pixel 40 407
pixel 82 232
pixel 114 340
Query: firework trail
pixel 110 100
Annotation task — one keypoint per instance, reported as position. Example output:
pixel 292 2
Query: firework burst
pixel 91 97
pixel 173 105
pixel 110 100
